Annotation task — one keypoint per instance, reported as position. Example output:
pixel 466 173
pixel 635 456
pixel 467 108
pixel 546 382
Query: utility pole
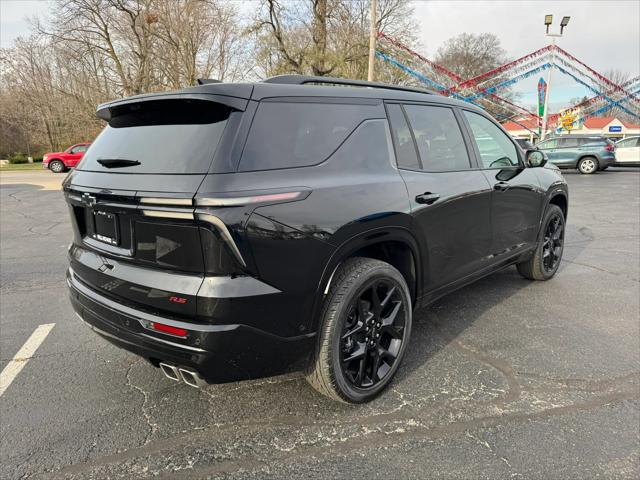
pixel 548 20
pixel 373 34
pixel 546 96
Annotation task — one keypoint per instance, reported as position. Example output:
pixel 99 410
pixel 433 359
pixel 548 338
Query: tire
pixel 350 306
pixel 549 248
pixel 56 166
pixel 588 165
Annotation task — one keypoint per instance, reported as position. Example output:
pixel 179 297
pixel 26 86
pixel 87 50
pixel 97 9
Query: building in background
pixel 610 127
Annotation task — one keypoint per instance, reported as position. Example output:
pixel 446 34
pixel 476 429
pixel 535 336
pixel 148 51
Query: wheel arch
pixel 559 198
pixel 394 245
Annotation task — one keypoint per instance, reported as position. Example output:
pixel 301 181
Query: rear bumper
pixel 219 353
pixel 607 160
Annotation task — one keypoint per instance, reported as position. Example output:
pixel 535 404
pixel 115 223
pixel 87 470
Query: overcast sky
pixel 603 34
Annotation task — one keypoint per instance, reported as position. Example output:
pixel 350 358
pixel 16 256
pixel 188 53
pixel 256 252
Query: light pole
pixel 373 33
pixel 548 20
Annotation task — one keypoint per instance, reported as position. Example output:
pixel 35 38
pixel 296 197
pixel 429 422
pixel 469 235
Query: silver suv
pixel 587 153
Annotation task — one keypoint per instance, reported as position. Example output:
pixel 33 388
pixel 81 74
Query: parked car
pixel 587 153
pixel 59 162
pixel 235 231
pixel 628 152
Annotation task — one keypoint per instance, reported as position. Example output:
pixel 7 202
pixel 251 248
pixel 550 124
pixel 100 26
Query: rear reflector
pixel 161 327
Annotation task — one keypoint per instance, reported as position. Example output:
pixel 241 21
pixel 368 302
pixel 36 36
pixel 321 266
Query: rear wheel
pixel 366 324
pixel 546 259
pixel 56 166
pixel 588 165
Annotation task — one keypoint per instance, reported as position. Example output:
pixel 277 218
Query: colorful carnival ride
pixel 484 90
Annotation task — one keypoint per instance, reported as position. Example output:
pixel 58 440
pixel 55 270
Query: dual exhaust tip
pixel 188 376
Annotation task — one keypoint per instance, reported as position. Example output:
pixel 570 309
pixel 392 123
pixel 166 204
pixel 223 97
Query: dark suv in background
pixel 587 153
pixel 235 231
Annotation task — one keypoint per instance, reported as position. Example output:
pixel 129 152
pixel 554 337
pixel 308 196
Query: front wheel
pixel 546 259
pixel 588 165
pixel 365 327
pixel 56 166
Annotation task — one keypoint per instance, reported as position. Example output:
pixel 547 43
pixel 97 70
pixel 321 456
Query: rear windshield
pixel 166 136
pixel 299 134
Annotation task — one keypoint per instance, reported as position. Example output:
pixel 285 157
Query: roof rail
pixel 203 81
pixel 305 79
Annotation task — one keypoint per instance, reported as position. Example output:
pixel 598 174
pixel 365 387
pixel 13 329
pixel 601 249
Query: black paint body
pixel 261 318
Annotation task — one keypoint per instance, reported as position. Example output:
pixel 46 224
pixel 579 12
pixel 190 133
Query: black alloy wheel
pixel 545 260
pixel 366 326
pixel 553 243
pixel 372 335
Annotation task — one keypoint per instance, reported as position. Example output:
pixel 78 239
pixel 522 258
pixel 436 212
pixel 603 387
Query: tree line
pixel 87 52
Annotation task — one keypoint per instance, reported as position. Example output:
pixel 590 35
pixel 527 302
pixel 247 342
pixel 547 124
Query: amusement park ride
pixel 483 90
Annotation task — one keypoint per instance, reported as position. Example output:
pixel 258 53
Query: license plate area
pixel 105 227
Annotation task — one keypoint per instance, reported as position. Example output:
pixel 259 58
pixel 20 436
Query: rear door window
pixel 568 142
pixel 299 134
pixel 163 136
pixel 440 142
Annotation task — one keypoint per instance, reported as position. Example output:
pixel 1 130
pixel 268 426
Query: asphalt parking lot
pixel 503 379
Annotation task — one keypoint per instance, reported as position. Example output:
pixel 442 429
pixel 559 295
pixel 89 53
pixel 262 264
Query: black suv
pixel 236 231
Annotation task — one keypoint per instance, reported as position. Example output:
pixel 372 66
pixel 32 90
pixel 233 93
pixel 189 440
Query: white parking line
pixel 21 358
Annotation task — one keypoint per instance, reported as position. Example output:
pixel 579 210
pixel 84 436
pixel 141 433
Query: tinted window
pixel 406 155
pixel 593 141
pixel 295 134
pixel 568 142
pixel 439 139
pixel 495 147
pixel 169 136
pixel 367 148
pixel 553 143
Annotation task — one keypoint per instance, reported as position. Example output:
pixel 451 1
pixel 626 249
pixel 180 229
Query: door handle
pixel 501 186
pixel 427 198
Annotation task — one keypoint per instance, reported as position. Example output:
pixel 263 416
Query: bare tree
pixel 324 37
pixel 469 55
pixel 619 77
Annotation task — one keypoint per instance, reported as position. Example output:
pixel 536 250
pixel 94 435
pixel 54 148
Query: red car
pixel 58 162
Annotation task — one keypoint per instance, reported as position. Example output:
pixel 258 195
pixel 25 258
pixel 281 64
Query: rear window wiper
pixel 117 162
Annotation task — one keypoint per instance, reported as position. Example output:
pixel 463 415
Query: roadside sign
pixel 615 129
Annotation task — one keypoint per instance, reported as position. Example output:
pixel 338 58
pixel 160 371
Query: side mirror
pixel 536 158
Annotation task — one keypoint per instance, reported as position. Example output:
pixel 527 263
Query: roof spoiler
pixel 105 110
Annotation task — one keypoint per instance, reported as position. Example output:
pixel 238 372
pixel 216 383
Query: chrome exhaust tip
pixel 192 378
pixel 170 371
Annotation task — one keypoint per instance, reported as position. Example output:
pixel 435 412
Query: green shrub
pixel 17 158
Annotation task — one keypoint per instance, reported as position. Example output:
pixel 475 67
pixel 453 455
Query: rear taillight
pixel 610 147
pixel 161 327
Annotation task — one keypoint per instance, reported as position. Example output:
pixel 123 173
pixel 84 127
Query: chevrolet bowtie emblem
pixel 88 199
